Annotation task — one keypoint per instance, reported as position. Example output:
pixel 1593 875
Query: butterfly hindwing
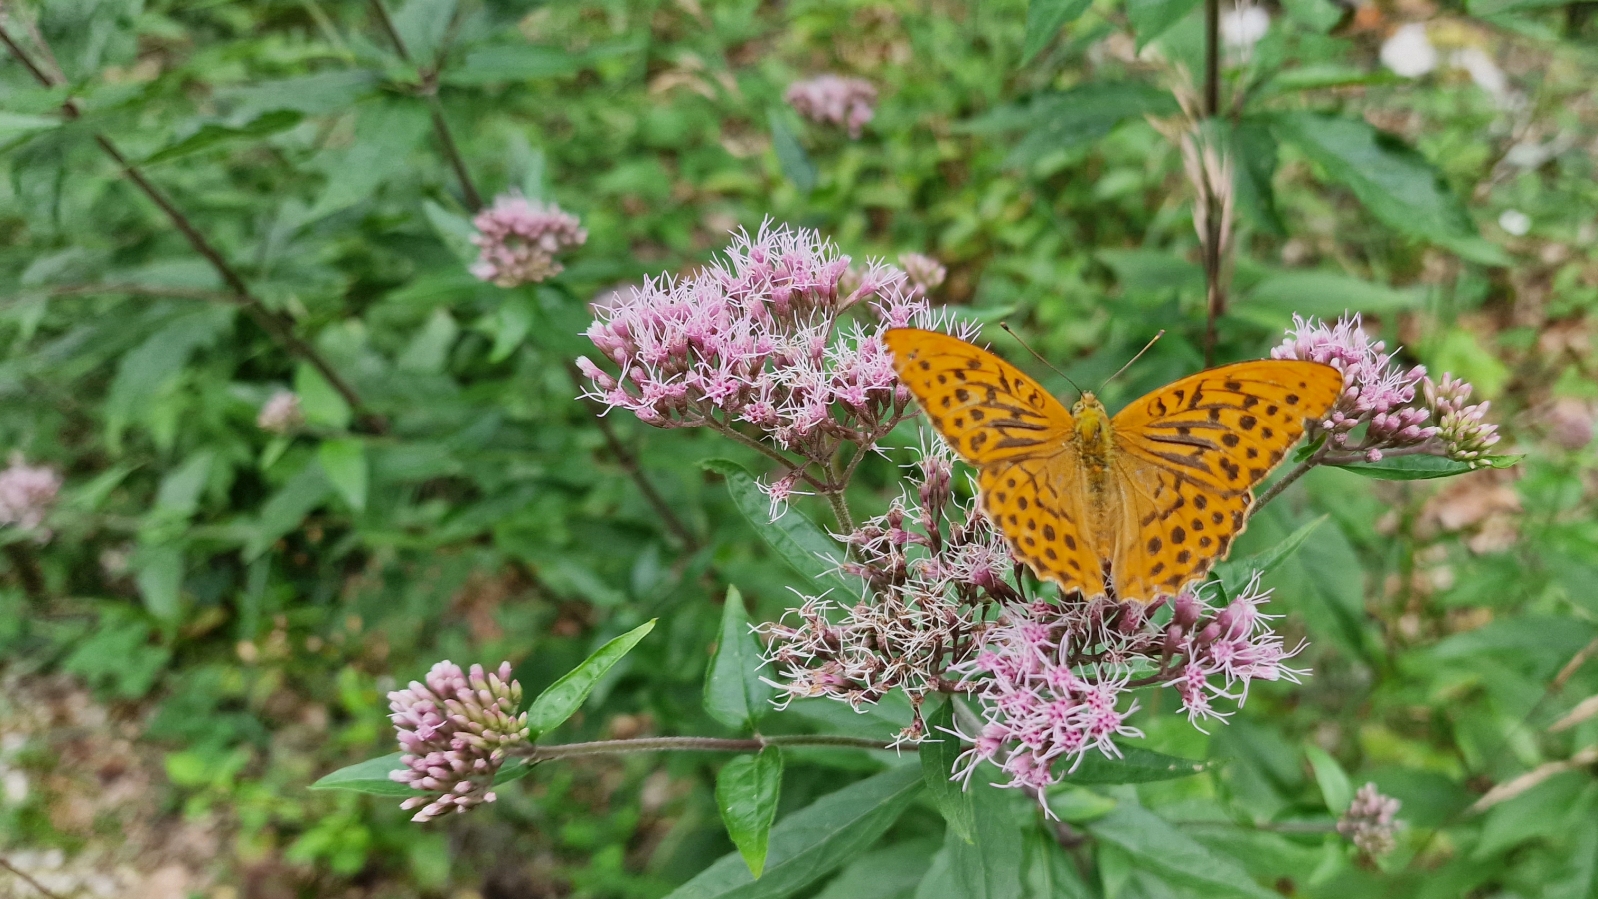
pixel 1172 529
pixel 987 409
pixel 1036 504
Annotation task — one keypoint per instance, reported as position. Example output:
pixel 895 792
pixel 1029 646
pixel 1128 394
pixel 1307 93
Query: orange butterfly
pixel 1133 506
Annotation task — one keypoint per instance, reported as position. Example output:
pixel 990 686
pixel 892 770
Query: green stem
pixel 699 744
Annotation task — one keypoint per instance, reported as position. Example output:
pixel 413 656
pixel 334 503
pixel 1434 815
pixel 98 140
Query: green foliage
pixel 238 601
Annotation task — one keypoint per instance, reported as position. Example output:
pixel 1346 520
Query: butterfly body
pixel 1132 506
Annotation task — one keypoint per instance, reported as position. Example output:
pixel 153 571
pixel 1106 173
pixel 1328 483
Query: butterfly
pixel 1132 507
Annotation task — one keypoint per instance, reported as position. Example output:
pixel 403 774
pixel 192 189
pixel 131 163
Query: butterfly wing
pixel 1021 440
pixel 1188 456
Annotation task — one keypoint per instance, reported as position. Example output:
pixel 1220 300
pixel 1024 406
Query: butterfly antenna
pixel 1035 355
pixel 1139 355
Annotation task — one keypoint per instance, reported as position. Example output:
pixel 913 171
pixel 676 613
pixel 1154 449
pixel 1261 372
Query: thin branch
pixel 1286 481
pixel 278 326
pixel 629 464
pixel 28 879
pixel 700 744
pixel 840 509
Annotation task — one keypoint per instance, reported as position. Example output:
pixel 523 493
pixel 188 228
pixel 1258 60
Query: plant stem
pixel 435 109
pixel 1286 481
pixel 840 509
pixel 1215 298
pixel 275 324
pixel 699 744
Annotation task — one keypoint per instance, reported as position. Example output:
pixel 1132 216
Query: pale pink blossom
pixel 27 493
pixel 833 99
pixel 518 239
pixel 1370 822
pixel 456 731
pixel 281 414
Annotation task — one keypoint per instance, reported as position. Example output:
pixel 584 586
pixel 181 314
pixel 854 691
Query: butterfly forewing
pixel 987 409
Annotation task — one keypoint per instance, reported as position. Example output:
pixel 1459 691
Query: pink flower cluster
pixel 927 566
pixel 281 414
pixel 1394 403
pixel 27 493
pixel 763 341
pixel 924 272
pixel 1053 679
pixel 835 100
pixel 1371 821
pixel 518 239
pixel 456 731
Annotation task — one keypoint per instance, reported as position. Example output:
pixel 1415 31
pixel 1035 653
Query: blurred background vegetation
pixel 208 618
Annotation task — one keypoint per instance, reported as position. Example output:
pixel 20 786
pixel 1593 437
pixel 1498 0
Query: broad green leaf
pixel 794 537
pixel 493 63
pixel 143 371
pixel 1153 271
pixel 422 25
pixel 15 126
pixel 747 790
pixel 565 696
pixel 810 843
pixel 1136 765
pixel 181 487
pixel 1327 294
pixel 158 572
pixel 1236 573
pixel 1156 847
pixel 212 134
pixel 1152 18
pixel 988 867
pixel 1050 873
pixel 938 755
pixel 428 351
pixel 734 693
pixel 1045 18
pixel 322 406
pixel 1462 353
pixel 1421 468
pixel 791 156
pixel 1319 15
pixel 1395 182
pixel 1077 804
pixel 510 325
pixel 1333 780
pixel 1254 151
pixel 301 493
pixel 891 872
pixel 319 94
pixel 386 133
pixel 344 462
pixel 455 231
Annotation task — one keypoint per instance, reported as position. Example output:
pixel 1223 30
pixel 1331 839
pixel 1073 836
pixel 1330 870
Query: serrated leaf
pixel 565 696
pixel 1136 765
pixel 1421 468
pixel 938 755
pixel 1157 847
pixel 343 461
pixel 793 537
pixel 791 155
pixel 809 844
pixel 1236 573
pixel 1045 18
pixel 747 790
pixel 734 693
pixel 1333 780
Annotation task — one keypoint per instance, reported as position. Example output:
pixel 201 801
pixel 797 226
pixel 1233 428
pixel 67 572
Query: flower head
pixel 27 493
pixel 1370 822
pixel 456 731
pixel 281 414
pixel 925 272
pixel 1461 425
pixel 518 239
pixel 834 99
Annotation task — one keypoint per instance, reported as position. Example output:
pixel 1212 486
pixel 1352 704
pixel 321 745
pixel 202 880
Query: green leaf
pixel 322 405
pixel 1254 148
pixel 319 94
pixel 791 156
pixel 1049 872
pixel 511 323
pixel 988 867
pixel 181 487
pixel 746 793
pixel 386 133
pixel 1236 573
pixel 1070 119
pixel 1045 18
pixel 428 351
pixel 158 572
pixel 301 493
pixel 1153 271
pixel 807 845
pixel 1333 780
pixel 454 230
pixel 1395 183
pixel 422 26
pixel 1152 18
pixel 15 126
pixel 891 872
pixel 344 463
pixel 1156 847
pixel 149 367
pixel 565 696
pixel 938 755
pixel 1327 294
pixel 794 537
pixel 734 693
pixel 212 134
pixel 1421 468
pixel 1136 765
pixel 494 63
pixel 1076 804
